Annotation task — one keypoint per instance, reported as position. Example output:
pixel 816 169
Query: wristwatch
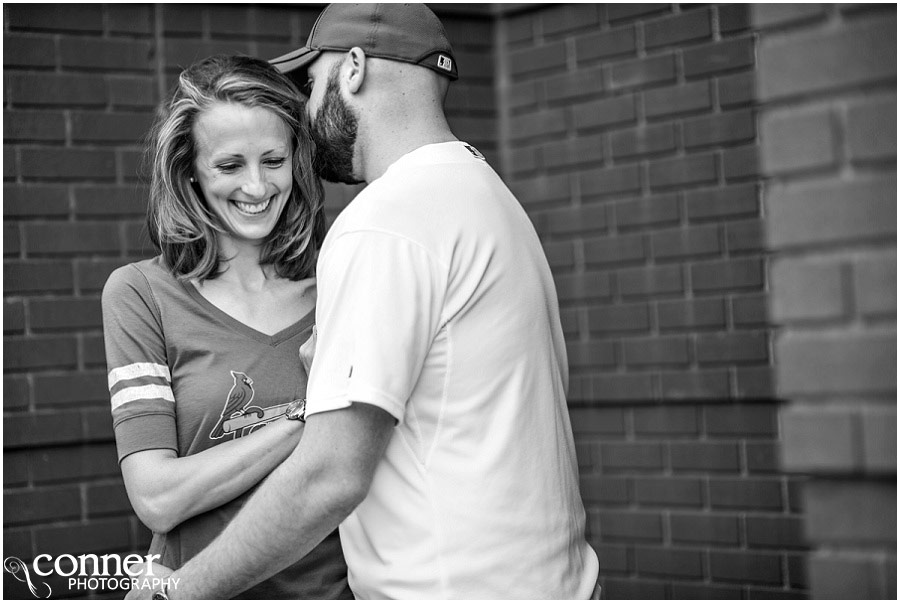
pixel 296 410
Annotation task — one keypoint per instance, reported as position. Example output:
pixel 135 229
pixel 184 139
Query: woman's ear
pixel 356 61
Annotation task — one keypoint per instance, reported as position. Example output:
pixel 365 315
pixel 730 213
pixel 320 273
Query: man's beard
pixel 334 132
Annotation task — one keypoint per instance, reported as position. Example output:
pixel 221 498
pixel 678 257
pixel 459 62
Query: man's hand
pixel 148 580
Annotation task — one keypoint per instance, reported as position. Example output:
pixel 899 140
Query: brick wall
pixel 631 138
pixel 80 86
pixel 829 148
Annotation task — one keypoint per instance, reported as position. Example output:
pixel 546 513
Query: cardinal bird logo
pixel 237 405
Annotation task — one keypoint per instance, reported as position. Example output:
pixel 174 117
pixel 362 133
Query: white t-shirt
pixel 436 304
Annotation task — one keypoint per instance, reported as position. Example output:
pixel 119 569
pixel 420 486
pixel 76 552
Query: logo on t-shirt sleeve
pixel 238 416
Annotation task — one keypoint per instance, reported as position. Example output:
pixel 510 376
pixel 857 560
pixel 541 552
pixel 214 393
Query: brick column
pixel 827 78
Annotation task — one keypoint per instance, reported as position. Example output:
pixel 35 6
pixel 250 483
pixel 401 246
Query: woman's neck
pixel 241 266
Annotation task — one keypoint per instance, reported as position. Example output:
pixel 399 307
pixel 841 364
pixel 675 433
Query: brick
pixel 74 463
pixel 857 512
pixel 20 200
pixel 796 140
pixel 525 160
pixel 15 468
pixel 572 152
pixel 68 238
pixel 609 421
pixel 619 318
pixel 775 532
pixel 747 493
pixel 591 354
pixel 17 541
pixel 722 202
pixel 519 28
pixel 760 568
pixel 644 140
pixel 131 91
pixel 668 491
pixel 126 128
pixel 851 575
pixel 604 112
pixel 684 563
pixel 560 255
pixel 34 126
pixel 620 12
pixel 185 51
pixel 641 72
pixel 66 313
pixel 857 53
pixel 16 391
pixel 691 314
pixel 591 217
pixel 107 201
pixel 12 240
pixel 28 50
pixel 650 281
pixel 691 591
pixel 663 420
pixel 745 420
pixel 137 240
pixel 716 57
pixel 705 528
pixel 62 17
pixel 872 129
pixel 630 456
pixel 66 90
pixel 830 211
pixel 94 537
pixel 93 352
pixel 577 287
pixel 695 385
pixel 477 65
pixel 106 54
pixel 571 86
pixel 750 310
pixel 836 363
pixel 229 21
pixel 135 20
pixel 97 425
pixel 754 382
pixel 734 18
pixel 543 123
pixel 875 284
pixel 685 242
pixel 68 164
pixel 10 163
pixel 522 95
pixel 737 89
pixel 745 237
pixel 728 274
pixel 613 558
pixel 741 163
pixel 632 588
pixel 607 388
pixel 41 505
pixel 69 389
pixel 630 525
pixel 732 347
pixel 807 289
pixel 608 250
pixel 563 19
pixel 182 20
pixel 879 440
pixel 762 457
pixel 766 16
pixel 106 499
pixel 29 353
pixel 647 211
pixel 656 351
pixel 463 31
pixel 29 429
pixel 537 59
pixel 610 181
pixel 685 98
pixel 22 276
pixel 705 456
pixel 675 29
pixel 721 128
pixel 689 170
pixel 797 570
pixel 605 44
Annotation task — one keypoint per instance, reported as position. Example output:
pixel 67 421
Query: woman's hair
pixel 181 224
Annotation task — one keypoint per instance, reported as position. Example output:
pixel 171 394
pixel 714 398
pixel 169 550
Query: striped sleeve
pixel 140 383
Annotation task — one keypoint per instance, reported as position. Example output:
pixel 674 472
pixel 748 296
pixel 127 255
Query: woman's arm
pixel 165 489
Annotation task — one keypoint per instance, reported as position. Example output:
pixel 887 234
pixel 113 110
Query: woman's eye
pixel 228 167
pixel 275 163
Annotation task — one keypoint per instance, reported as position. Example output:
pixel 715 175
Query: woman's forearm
pixel 165 489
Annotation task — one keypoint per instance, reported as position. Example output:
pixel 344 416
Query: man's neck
pixel 378 149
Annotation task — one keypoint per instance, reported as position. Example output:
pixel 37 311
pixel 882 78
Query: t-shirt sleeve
pixel 378 310
pixel 140 384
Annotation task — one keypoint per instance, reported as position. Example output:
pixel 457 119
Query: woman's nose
pixel 254 185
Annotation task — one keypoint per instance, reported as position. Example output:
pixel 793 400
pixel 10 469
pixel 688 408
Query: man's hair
pixel 180 223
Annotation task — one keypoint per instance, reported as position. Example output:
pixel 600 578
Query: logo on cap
pixel 445 62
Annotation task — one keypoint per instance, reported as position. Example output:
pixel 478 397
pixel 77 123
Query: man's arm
pixel 296 507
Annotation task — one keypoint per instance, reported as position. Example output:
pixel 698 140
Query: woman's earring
pixel 193 181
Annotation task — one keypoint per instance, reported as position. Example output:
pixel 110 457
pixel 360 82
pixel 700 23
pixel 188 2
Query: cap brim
pixel 295 63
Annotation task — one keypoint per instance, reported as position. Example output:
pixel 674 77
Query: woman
pixel 202 342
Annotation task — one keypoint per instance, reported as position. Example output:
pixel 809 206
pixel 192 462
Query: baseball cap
pixel 410 33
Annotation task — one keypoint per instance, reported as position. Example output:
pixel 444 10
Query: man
pixel 438 435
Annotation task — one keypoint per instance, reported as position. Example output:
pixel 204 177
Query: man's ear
pixel 355 60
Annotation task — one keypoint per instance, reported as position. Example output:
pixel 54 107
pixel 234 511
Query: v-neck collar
pixel 233 323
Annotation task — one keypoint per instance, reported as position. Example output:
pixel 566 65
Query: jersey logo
pixel 445 62
pixel 474 152
pixel 238 416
